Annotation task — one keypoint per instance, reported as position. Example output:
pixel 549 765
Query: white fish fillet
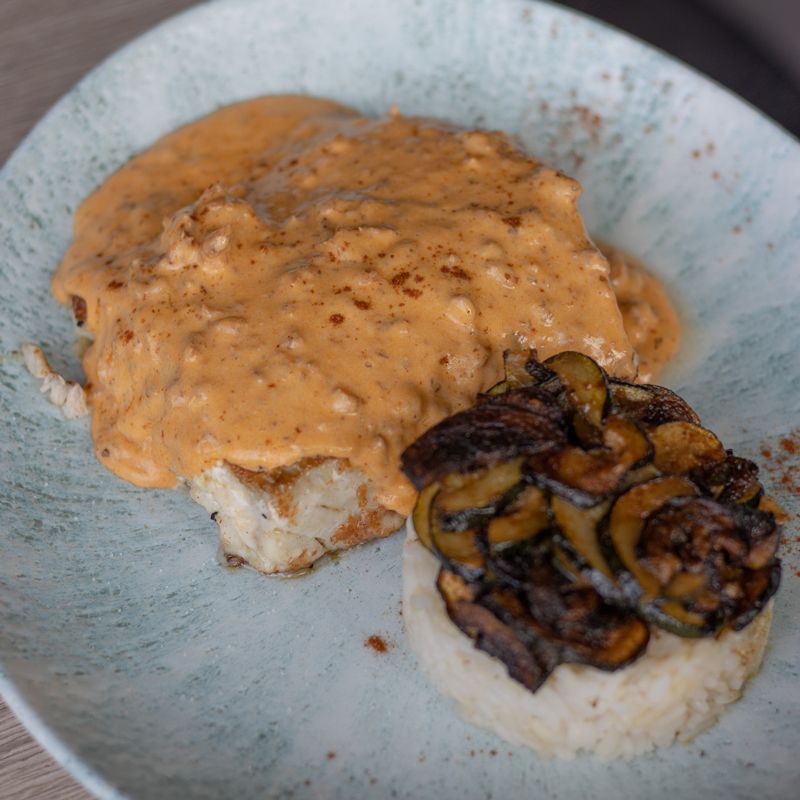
pixel 284 519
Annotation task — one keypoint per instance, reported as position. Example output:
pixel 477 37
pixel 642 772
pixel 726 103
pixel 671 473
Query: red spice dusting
pixel 415 293
pixel 331 755
pixel 400 278
pixel 362 304
pixel 127 337
pixel 444 360
pixel 589 119
pixel 336 319
pixel 783 468
pixel 111 285
pixel 377 643
pixel 512 222
pixel 457 272
pixel 789 479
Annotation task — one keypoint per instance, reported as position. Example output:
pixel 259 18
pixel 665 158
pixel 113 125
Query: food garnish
pixel 572 511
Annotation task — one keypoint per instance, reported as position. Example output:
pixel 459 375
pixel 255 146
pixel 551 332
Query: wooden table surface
pixel 46 46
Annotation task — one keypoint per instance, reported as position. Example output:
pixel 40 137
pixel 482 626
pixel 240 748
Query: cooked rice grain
pixel 69 396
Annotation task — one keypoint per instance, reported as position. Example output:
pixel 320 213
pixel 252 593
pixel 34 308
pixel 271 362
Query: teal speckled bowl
pixel 150 671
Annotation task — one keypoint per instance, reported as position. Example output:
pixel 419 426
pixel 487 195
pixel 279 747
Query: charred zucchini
pixel 459 551
pixel 651 405
pixel 565 622
pixel 465 501
pixel 525 517
pixel 586 388
pixel 586 476
pixel 490 634
pixel 681 447
pixel 627 522
pixel 576 537
pixel 572 512
pixel 514 424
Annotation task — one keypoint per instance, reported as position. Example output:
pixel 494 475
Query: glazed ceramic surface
pixel 151 671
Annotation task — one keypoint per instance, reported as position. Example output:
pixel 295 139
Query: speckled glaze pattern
pixel 152 672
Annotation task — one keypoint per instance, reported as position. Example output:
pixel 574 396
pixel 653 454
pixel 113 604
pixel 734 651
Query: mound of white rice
pixel 672 693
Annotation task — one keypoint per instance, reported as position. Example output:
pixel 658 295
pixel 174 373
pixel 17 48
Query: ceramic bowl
pixel 149 670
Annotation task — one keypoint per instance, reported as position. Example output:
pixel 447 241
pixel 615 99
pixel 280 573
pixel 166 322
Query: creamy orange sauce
pixel 648 315
pixel 284 279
